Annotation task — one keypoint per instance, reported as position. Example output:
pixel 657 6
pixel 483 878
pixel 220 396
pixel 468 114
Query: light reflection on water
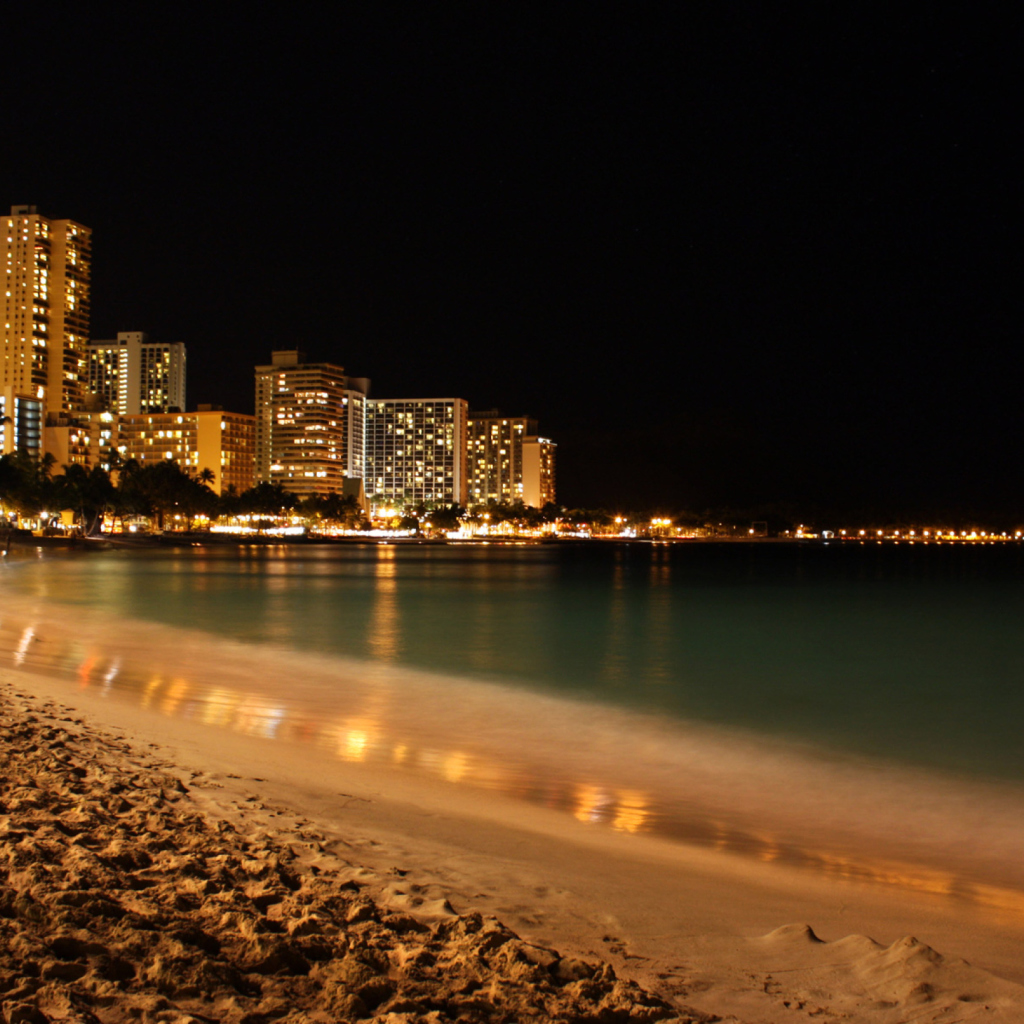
pixel 383 635
pixel 908 654
pixel 373 734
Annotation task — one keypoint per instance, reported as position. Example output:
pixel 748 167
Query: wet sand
pixel 155 868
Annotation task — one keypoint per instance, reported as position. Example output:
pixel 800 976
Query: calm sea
pixel 914 653
pixel 886 657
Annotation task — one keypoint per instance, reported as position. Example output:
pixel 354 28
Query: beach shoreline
pixel 682 924
pixel 122 897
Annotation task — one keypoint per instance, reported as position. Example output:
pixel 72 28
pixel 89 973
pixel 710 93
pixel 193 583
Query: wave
pixel 608 768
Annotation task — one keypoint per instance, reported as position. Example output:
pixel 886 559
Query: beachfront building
pixel 416 452
pixel 134 374
pixel 69 440
pixel 46 267
pixel 209 438
pixel 496 456
pixel 310 426
pixel 21 423
pixel 538 471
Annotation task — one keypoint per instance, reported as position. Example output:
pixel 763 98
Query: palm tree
pixel 26 482
pixel 88 492
pixel 129 499
pixel 266 500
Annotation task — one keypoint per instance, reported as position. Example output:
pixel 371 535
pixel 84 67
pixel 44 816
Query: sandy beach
pixel 156 870
pixel 122 900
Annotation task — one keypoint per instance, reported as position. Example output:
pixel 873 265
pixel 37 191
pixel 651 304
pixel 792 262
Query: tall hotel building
pixel 416 451
pixel 45 325
pixel 309 425
pixel 496 456
pixel 508 461
pixel 134 374
pixel 46 310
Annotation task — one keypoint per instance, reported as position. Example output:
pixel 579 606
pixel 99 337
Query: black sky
pixel 758 253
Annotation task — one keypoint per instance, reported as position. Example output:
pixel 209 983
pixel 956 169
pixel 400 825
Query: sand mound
pixel 120 900
pixel 857 979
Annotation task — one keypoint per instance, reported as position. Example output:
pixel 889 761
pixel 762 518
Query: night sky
pixel 744 255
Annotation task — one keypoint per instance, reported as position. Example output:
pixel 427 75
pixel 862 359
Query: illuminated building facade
pixel 538 471
pixel 496 456
pixel 46 308
pixel 223 442
pixel 134 374
pixel 226 443
pixel 309 425
pixel 85 439
pixel 416 451
pixel 104 433
pixel 21 423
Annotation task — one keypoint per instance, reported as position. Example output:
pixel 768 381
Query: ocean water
pixel 914 653
pixel 753 696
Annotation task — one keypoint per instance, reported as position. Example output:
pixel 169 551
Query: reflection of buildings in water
pixel 218 707
pixel 450 765
pixel 631 812
pixel 383 637
pixel 375 700
pixel 256 716
pixel 22 649
pixel 365 738
pixel 591 804
pixel 351 739
pixel 173 697
pixel 455 766
pixel 356 742
pixel 110 675
pixel 626 810
pixel 278 616
pixel 85 670
pixel 150 688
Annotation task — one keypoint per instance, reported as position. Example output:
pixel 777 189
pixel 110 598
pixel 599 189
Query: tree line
pixel 164 492
pixel 175 498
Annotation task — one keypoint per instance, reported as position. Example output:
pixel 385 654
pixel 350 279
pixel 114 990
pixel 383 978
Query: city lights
pixel 320 459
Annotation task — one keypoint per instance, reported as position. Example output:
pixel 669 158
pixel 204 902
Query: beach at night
pixel 665 846
pixel 511 515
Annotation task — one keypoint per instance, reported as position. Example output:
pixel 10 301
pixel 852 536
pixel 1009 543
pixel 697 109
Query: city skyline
pixel 728 260
pixel 314 431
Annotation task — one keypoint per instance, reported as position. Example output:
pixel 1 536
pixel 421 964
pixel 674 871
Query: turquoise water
pixel 908 653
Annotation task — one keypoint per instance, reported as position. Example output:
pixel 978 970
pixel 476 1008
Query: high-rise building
pixel 309 425
pixel 21 423
pixel 223 442
pixel 496 456
pixel 134 374
pixel 416 451
pixel 46 309
pixel 538 471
